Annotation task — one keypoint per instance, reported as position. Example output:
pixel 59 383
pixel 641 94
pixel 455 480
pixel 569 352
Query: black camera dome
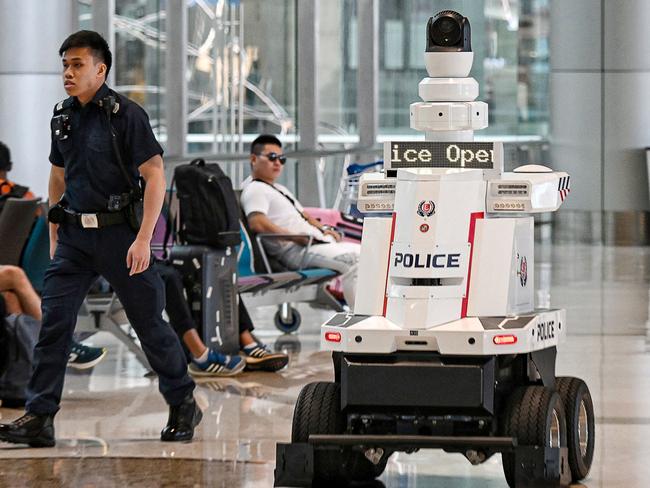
pixel 448 31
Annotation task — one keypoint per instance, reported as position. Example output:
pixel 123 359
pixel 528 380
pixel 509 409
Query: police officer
pixel 95 234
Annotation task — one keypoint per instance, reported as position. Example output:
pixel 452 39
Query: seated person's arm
pixel 319 226
pixel 259 223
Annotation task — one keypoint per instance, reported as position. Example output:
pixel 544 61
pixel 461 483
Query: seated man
pixel 20 298
pixel 272 208
pixel 9 188
pixel 206 361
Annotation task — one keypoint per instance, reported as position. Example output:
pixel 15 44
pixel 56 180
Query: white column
pixel 175 78
pixel 307 187
pixel 600 102
pixel 31 32
pixel 576 99
pixel 626 109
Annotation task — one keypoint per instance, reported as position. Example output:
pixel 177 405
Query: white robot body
pixel 447 244
pixel 456 249
pixel 430 254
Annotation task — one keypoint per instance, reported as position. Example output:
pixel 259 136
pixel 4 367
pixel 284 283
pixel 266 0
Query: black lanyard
pixel 293 202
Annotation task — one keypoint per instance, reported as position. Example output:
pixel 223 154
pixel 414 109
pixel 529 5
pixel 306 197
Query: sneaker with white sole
pixel 84 357
pixel 260 357
pixel 217 364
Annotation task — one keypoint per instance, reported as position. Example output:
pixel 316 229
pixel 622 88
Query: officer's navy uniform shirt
pixel 92 172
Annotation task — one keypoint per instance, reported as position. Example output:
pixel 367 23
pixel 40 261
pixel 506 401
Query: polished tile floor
pixel 109 425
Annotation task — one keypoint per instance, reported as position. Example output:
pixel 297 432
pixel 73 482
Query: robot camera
pixel 449 48
pixel 448 31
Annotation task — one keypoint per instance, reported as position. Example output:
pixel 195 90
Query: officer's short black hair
pixel 93 41
pixel 258 144
pixel 5 158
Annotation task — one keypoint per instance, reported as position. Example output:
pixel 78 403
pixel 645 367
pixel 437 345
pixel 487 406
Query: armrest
pixel 260 237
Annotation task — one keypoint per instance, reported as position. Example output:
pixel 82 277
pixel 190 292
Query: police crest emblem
pixel 426 208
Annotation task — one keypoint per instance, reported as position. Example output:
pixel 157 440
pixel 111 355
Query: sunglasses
pixel 273 156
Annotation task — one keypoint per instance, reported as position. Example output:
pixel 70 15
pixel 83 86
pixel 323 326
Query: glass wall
pixel 139 61
pixel 510 44
pixel 214 84
pixel 242 73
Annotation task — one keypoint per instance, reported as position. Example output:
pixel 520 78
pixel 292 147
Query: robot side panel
pixel 373 263
pixel 502 260
pixel 522 279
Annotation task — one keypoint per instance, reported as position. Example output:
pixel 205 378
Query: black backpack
pixel 208 207
pixel 16 191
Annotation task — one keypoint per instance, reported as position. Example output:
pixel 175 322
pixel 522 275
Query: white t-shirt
pixel 258 196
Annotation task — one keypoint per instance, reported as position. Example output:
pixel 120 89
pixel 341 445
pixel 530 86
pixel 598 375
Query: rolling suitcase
pixel 210 280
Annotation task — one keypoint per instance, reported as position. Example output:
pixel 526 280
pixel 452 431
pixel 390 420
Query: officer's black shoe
pixel 182 420
pixel 35 430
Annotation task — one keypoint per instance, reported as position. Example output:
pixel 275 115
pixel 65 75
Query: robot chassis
pixel 444 348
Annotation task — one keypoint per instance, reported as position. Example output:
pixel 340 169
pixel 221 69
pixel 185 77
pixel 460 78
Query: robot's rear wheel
pixel 579 409
pixel 535 417
pixel 318 411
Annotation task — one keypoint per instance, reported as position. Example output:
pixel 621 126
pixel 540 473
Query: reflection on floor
pixel 109 425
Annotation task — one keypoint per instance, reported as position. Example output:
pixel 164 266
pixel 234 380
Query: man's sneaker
pixel 84 357
pixel 32 429
pixel 260 357
pixel 217 364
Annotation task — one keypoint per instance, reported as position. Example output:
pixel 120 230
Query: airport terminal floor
pixel 108 428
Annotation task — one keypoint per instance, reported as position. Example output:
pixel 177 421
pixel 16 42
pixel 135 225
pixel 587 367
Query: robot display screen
pixel 471 155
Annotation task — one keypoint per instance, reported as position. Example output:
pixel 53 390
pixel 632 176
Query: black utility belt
pixel 93 220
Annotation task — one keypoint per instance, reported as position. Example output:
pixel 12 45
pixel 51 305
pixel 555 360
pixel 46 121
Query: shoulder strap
pixel 170 224
pixel 111 106
pixel 293 202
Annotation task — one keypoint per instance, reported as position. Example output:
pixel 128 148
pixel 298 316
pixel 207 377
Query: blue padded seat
pixel 317 275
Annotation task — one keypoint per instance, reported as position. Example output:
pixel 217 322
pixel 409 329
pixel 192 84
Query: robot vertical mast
pixel 435 208
pixel 448 111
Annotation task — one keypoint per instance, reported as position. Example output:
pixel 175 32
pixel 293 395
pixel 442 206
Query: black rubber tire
pixel 288 327
pixel 528 416
pixel 573 392
pixel 318 411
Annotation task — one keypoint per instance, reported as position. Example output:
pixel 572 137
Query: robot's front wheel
pixel 318 411
pixel 579 409
pixel 535 417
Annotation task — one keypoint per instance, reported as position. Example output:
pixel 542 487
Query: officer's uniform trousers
pixel 82 255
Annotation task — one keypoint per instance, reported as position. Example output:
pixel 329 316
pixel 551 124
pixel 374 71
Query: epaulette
pixel 63 105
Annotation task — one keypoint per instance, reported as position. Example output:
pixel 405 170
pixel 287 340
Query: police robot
pixel 445 348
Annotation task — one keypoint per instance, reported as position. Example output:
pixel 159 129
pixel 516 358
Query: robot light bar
pixel 455 155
